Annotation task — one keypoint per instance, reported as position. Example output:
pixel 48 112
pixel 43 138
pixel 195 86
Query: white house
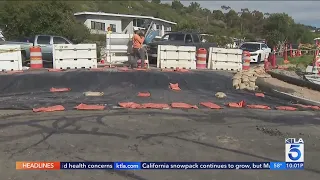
pixel 98 22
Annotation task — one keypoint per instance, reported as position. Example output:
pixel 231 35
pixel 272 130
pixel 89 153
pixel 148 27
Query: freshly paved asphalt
pixel 164 135
pixel 159 135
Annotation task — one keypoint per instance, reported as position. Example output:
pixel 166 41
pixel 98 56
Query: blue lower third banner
pixel 181 165
pixel 165 165
pixel 286 165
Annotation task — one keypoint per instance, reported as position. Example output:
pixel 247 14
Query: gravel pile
pixel 246 79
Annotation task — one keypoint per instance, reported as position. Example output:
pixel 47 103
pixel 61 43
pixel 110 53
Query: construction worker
pixel 138 51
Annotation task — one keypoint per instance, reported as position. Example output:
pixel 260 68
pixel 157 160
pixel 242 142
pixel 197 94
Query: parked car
pixel 177 39
pixel 43 41
pixel 258 51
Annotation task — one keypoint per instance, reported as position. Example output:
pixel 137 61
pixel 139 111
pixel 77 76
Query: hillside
pixel 57 17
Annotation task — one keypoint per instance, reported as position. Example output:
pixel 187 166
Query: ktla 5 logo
pixel 294 150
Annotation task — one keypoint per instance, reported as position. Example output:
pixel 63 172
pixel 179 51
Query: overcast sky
pixel 306 12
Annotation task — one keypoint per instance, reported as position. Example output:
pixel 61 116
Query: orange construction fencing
pixel 258 106
pixel 55 70
pixel 144 94
pixel 308 106
pixel 210 105
pixel 14 72
pixel 97 69
pixel 131 105
pixel 174 86
pixel 141 69
pixel 167 70
pixel 89 107
pixel 183 105
pixel 59 89
pixel 286 108
pixel 155 106
pixel 259 94
pixel 123 69
pixel 240 104
pixel 49 109
pixel 181 70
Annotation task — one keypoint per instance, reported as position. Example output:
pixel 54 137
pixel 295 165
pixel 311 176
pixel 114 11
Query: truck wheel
pixel 259 59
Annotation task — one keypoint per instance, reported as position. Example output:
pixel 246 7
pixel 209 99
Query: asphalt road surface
pixel 158 135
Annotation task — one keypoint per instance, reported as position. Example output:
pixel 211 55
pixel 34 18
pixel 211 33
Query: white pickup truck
pixel 258 51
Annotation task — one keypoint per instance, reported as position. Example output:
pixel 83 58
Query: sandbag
pixel 220 95
pixel 237 76
pixel 250 74
pixel 253 78
pixel 250 88
pixel 235 82
pixel 252 84
pixel 242 86
pixel 245 79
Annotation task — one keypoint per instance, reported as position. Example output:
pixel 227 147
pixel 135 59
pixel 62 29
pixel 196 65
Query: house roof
pixel 123 15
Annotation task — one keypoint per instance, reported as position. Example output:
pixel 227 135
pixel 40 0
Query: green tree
pixel 29 18
pixel 218 15
pixel 193 7
pixel 176 4
pixel 156 1
pixel 277 27
pixel 232 19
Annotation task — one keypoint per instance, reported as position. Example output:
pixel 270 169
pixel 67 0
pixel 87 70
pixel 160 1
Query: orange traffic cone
pixel 285 56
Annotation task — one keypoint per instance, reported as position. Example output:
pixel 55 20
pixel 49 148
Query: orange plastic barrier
pixel 183 106
pixel 259 94
pixel 174 86
pixel 59 89
pixel 89 107
pixel 237 105
pixel 258 106
pixel 167 70
pixel 155 106
pixel 210 105
pixel 97 69
pixel 141 69
pixel 181 70
pixel 55 70
pixel 123 69
pixel 144 94
pixel 49 109
pixel 286 108
pixel 308 106
pixel 14 72
pixel 315 107
pixel 131 105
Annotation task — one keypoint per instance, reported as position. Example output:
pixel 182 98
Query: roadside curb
pixel 295 81
pixel 283 93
